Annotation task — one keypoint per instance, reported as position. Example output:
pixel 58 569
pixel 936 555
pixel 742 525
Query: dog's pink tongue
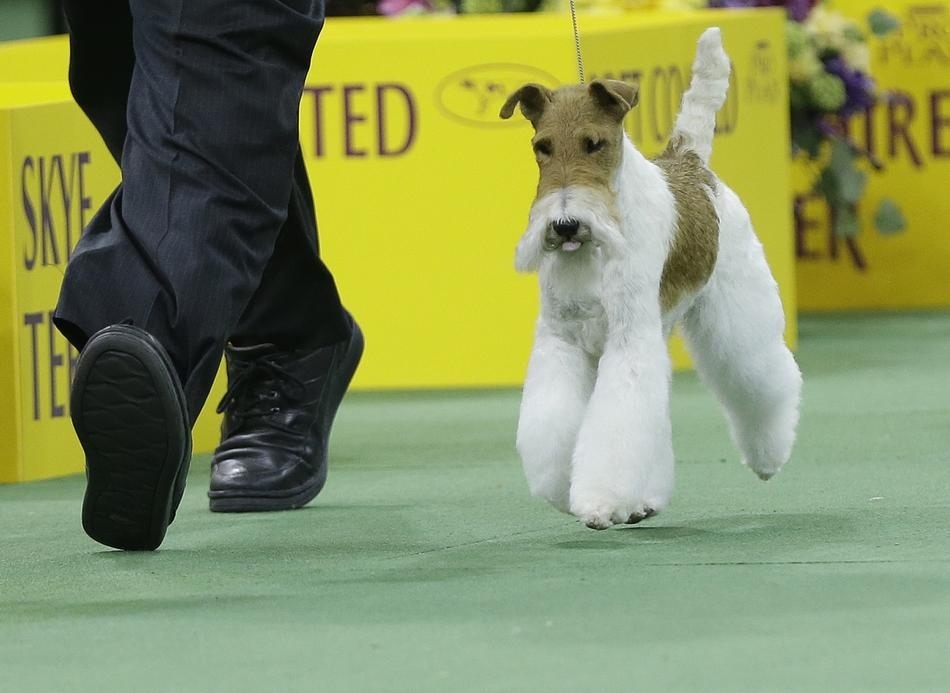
pixel 570 246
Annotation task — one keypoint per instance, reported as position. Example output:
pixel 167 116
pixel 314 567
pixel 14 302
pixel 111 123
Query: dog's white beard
pixel 589 206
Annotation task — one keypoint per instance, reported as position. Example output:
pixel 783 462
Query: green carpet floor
pixel 425 565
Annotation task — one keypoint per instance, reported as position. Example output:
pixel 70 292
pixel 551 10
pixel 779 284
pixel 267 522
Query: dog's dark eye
pixel 593 145
pixel 542 147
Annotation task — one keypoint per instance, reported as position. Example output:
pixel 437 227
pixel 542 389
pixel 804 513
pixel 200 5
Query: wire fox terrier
pixel 626 248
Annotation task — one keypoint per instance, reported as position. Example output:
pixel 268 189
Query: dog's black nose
pixel 566 227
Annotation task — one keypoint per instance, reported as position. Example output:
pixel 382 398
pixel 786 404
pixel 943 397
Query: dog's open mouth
pixel 567 245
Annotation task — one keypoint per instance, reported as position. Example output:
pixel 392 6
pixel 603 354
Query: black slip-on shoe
pixel 129 412
pixel 278 413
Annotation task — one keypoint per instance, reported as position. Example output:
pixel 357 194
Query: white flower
pixel 682 4
pixel 857 55
pixel 831 29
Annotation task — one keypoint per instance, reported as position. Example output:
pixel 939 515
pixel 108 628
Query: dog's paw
pixel 605 519
pixel 641 515
pixel 605 514
pixel 597 521
pixel 764 469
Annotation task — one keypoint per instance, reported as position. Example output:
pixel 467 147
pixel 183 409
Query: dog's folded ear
pixel 528 253
pixel 614 96
pixel 533 99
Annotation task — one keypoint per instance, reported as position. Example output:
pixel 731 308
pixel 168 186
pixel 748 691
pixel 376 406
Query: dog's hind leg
pixel 734 332
pixel 556 390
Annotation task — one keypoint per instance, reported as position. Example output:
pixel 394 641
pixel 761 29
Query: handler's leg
pixel 289 363
pixel 101 61
pixel 208 167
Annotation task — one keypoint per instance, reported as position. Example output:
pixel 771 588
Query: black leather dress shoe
pixel 278 411
pixel 129 412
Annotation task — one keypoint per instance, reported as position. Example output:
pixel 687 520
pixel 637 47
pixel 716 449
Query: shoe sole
pixel 300 496
pixel 129 413
pixel 297 498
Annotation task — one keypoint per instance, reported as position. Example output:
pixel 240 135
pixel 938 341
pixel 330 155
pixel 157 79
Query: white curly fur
pixel 594 427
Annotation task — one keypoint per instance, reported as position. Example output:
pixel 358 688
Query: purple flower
pixel 858 86
pixel 797 9
pixel 397 7
pixel 730 4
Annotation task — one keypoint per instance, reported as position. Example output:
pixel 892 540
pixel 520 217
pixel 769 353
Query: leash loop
pixel 577 43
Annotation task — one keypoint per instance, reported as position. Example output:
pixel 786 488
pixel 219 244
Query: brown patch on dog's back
pixel 696 241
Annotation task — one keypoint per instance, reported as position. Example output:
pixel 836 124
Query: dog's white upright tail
pixel 696 121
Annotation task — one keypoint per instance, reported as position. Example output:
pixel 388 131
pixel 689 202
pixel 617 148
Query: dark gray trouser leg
pixel 211 233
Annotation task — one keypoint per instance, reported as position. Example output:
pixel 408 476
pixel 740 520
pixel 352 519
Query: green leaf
pixel 850 182
pixel 852 33
pixel 851 185
pixel 826 185
pixel 889 219
pixel 846 221
pixel 806 136
pixel 842 157
pixel 882 22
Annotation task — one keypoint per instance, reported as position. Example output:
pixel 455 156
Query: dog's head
pixel 578 142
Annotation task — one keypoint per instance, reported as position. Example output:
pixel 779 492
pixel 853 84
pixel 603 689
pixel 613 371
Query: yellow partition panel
pixel 911 137
pixel 56 173
pixel 42 205
pixel 422 192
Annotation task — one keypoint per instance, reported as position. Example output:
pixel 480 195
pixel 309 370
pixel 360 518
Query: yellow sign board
pixel 56 173
pixel 422 191
pixel 55 194
pixel 910 134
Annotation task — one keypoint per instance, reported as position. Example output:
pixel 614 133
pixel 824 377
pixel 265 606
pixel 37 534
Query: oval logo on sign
pixel 474 96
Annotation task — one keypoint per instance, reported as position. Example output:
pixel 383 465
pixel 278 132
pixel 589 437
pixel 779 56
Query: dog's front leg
pixel 556 390
pixel 622 468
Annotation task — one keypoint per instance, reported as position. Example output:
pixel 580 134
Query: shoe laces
pixel 246 398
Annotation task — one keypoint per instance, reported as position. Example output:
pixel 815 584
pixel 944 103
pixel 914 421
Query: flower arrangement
pixel 403 7
pixel 829 82
pixel 400 7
